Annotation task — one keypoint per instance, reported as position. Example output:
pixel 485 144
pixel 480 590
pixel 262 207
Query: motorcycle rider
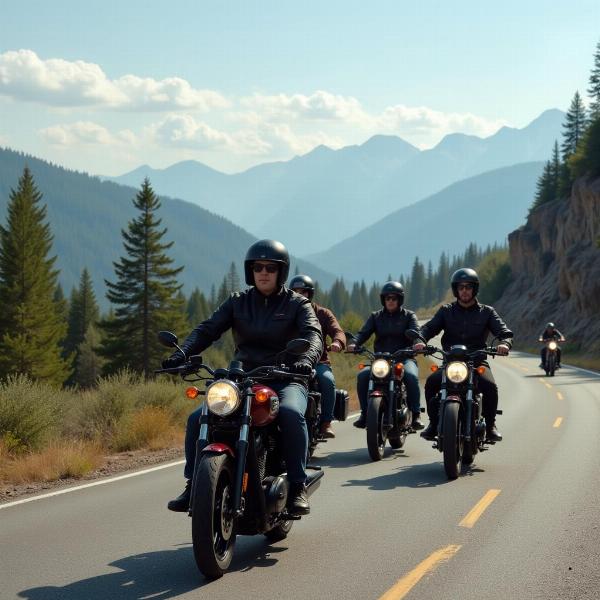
pixel 466 322
pixel 263 319
pixel 389 325
pixel 303 284
pixel 551 333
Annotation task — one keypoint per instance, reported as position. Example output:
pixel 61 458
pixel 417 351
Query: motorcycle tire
pixel 279 532
pixel 452 440
pixel 376 437
pixel 213 533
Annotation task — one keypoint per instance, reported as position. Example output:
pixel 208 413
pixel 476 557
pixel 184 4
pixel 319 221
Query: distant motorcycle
pixel 239 484
pixel 551 361
pixel 461 425
pixel 388 416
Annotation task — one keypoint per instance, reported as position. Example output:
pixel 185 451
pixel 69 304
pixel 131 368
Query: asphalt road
pixel 393 529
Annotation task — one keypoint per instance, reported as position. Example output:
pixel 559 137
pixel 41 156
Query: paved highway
pixel 523 522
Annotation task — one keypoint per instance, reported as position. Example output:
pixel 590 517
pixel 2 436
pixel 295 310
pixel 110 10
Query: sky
pixel 106 86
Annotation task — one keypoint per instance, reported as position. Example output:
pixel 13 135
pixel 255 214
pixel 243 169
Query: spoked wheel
pixel 279 532
pixel 376 437
pixel 453 440
pixel 213 526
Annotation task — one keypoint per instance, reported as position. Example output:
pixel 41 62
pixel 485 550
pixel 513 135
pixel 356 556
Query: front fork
pixel 468 407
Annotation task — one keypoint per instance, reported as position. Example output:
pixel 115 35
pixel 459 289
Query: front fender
pixel 218 448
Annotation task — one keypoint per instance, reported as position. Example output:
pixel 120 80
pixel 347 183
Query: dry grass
pixel 151 428
pixel 58 461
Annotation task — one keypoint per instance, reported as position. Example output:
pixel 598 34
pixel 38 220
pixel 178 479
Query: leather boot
pixel 430 433
pixel 327 430
pixel 361 422
pixel 298 499
pixel 416 421
pixel 182 502
pixel 493 434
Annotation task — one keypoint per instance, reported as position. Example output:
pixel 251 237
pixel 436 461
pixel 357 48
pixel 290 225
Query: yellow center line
pixel 408 582
pixel 541 380
pixel 548 385
pixel 478 509
pixel 557 422
pixel 560 396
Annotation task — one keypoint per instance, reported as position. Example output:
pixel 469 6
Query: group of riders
pixel 267 315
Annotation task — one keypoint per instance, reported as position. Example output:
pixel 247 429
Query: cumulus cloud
pixel 86 132
pixel 57 82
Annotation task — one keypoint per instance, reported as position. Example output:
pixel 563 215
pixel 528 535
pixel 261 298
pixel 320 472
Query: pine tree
pixel 573 127
pixel 594 89
pixel 417 285
pixel 145 293
pixel 88 364
pixel 443 276
pixel 30 326
pixel 197 308
pixel 82 313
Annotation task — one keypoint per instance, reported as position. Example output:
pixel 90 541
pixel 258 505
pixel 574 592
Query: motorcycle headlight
pixel 380 368
pixel 457 372
pixel 552 345
pixel 222 398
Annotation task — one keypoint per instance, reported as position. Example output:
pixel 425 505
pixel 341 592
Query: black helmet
pixel 464 275
pixel 303 282
pixel 549 325
pixel 267 250
pixel 392 287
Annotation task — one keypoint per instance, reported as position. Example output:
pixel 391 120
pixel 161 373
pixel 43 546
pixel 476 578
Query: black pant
pixel 484 383
pixel 545 349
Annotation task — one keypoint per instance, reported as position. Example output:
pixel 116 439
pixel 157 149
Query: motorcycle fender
pixel 218 448
pixel 376 393
pixel 454 398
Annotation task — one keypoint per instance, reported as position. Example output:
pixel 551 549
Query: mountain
pixel 481 209
pixel 316 200
pixel 87 215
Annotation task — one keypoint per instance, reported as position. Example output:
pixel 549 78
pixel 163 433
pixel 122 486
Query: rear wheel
pixel 452 441
pixel 376 437
pixel 213 526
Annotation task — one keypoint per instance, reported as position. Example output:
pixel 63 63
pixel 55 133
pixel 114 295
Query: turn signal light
pixel 245 482
pixel 480 370
pixel 398 369
pixel 361 366
pixel 262 395
pixel 192 392
pixel 433 368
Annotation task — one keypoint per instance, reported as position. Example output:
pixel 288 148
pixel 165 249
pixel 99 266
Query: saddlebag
pixel 342 402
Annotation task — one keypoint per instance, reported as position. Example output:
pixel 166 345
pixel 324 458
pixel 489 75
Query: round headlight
pixel 222 398
pixel 552 345
pixel 457 372
pixel 380 368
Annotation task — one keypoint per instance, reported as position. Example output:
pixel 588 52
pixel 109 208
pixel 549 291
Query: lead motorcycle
pixel 388 416
pixel 239 484
pixel 461 425
pixel 551 363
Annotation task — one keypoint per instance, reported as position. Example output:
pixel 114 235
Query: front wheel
pixel 376 436
pixel 452 440
pixel 213 526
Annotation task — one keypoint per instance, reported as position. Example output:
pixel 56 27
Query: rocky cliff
pixel 556 270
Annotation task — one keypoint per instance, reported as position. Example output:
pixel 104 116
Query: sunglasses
pixel 270 268
pixel 465 286
pixel 390 298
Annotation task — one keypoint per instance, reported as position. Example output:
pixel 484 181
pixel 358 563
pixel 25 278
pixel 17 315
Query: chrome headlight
pixel 222 398
pixel 552 345
pixel 457 372
pixel 380 368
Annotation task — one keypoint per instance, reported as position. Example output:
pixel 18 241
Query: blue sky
pixel 106 86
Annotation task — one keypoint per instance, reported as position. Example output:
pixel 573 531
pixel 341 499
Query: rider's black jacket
pixel 389 329
pixel 467 326
pixel 261 325
pixel 555 335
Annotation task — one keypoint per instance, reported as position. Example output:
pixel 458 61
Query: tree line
pixel 579 151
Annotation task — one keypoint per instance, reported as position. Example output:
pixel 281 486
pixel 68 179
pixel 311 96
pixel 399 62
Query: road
pixel 393 529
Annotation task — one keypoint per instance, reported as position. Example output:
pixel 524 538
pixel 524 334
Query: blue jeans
pixel 327 388
pixel 411 381
pixel 293 398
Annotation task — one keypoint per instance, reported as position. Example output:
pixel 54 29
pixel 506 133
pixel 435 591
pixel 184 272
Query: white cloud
pixel 88 133
pixel 57 82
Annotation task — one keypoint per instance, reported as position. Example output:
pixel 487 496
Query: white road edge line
pixel 88 485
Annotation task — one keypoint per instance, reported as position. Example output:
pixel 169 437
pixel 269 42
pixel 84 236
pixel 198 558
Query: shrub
pixel 149 427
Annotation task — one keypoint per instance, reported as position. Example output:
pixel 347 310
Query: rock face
pixel 556 270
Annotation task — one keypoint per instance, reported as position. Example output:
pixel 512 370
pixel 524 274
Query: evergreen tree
pixel 88 364
pixel 429 285
pixel 233 279
pixel 442 276
pixel 197 308
pixel 145 293
pixel 573 127
pixel 417 285
pixel 594 89
pixel 83 312
pixel 30 326
pixel 339 299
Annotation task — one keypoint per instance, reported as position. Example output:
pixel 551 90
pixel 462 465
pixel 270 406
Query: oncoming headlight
pixel 380 368
pixel 552 345
pixel 457 372
pixel 222 398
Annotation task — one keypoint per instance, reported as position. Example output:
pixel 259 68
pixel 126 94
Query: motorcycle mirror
pixel 297 346
pixel 166 338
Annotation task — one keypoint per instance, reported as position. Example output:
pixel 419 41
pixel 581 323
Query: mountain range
pixel 317 200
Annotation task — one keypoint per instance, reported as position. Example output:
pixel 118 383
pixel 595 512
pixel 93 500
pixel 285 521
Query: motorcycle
pixel 551 361
pixel 461 425
pixel 388 416
pixel 239 484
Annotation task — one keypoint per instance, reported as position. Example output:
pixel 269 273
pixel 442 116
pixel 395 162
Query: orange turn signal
pixel 192 392
pixel 433 368
pixel 398 368
pixel 245 482
pixel 261 395
pixel 361 366
pixel 480 370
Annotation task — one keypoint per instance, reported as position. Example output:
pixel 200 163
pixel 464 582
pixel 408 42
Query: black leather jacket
pixel 467 326
pixel 554 335
pixel 389 329
pixel 262 326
